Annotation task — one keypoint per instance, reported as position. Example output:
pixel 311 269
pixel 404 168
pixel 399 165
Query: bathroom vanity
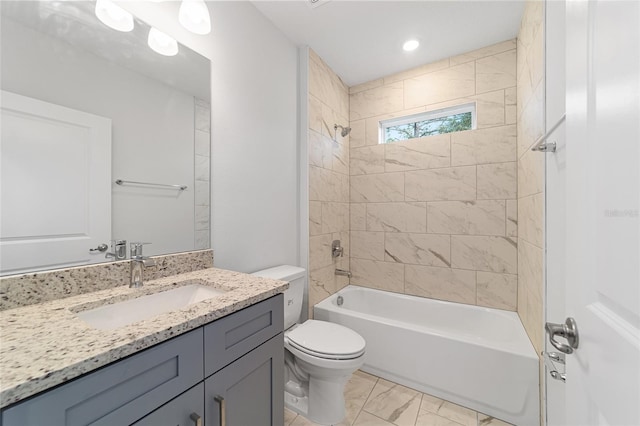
pixel 181 368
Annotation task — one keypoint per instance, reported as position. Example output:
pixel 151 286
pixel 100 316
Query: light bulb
pixel 162 43
pixel 410 45
pixel 194 16
pixel 114 16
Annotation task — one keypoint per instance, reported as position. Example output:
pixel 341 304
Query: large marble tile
pixel 426 418
pixel 315 114
pixel 422 153
pixel 482 217
pixel 376 101
pixel 449 410
pixel 530 173
pixel 327 185
pixel 454 285
pixel 397 217
pixel 202 239
pixel 497 181
pixel 322 284
pixel 335 217
pixel 512 218
pixel 439 86
pixel 320 251
pixel 394 403
pixel 510 105
pixel 366 419
pixel 455 183
pixel 375 274
pixel 202 193
pixel 497 290
pixel 367 245
pixel 202 116
pixel 202 215
pixel 201 167
pixel 419 249
pixel 356 392
pixel 340 156
pixel 289 416
pixel 377 188
pixel 358 213
pixel 414 72
pixel 531 120
pixel 366 86
pixel 202 143
pixel 485 420
pixel 531 219
pixel 484 52
pixel 367 160
pixel 357 135
pixel 320 148
pixel 483 146
pixel 484 253
pixel 490 109
pixel 315 217
pixel 496 72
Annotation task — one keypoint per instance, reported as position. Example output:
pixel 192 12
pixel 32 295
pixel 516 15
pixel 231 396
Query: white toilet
pixel 319 358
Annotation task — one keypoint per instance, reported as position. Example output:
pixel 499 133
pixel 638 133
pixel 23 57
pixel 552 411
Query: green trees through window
pixel 421 126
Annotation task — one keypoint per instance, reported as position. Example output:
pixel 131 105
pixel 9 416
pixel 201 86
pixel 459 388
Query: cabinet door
pixel 250 391
pixel 184 410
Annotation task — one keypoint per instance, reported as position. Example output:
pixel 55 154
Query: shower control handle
pixel 568 330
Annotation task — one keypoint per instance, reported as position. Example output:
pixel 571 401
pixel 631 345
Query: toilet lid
pixel 326 340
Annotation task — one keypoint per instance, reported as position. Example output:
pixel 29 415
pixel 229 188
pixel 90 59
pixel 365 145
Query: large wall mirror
pixel 102 139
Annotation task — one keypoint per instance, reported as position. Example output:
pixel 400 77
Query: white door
pixel 603 201
pixel 55 188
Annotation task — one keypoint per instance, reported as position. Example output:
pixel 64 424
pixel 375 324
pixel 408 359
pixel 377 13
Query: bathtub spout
pixel 343 272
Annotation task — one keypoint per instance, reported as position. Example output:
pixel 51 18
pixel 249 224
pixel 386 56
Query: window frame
pixel 427 115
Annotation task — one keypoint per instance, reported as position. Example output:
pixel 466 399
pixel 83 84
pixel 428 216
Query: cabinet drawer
pixel 184 410
pixel 120 393
pixel 231 337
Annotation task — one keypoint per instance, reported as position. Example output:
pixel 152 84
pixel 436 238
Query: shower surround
pixel 437 216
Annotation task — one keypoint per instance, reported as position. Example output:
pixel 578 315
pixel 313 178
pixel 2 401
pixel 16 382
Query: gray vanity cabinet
pixel 238 358
pixel 248 392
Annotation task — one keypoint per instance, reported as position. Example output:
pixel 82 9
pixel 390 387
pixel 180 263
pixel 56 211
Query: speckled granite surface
pixel 39 287
pixel 46 344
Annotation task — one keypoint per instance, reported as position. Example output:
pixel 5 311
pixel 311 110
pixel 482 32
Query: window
pixel 447 120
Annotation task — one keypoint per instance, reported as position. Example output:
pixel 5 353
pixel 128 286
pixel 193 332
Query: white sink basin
pixel 110 317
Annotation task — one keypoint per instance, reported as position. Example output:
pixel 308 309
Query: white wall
pixel 143 149
pixel 254 123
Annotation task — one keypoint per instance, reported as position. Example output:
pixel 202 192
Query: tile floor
pixel 372 401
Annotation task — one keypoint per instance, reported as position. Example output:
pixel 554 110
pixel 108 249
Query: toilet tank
pixel 293 295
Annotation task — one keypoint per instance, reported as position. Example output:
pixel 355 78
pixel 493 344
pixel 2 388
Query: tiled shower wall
pixel 437 216
pixel 530 110
pixel 328 180
pixel 202 174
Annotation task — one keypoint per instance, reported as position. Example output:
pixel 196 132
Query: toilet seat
pixel 326 340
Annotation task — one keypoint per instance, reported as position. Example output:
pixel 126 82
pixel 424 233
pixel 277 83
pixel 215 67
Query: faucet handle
pixel 136 249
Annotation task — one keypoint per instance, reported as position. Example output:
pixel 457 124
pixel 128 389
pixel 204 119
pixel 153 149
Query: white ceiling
pixel 362 40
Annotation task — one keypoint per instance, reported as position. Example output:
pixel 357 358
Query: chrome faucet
pixel 138 263
pixel 343 272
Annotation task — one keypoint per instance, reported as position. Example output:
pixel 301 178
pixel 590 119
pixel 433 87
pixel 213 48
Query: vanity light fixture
pixel 410 45
pixel 114 16
pixel 194 16
pixel 162 43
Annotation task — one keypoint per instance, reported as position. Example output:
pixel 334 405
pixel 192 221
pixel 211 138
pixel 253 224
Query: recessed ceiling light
pixel 410 45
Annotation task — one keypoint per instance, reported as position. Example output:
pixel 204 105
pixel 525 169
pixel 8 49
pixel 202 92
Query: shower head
pixel 345 130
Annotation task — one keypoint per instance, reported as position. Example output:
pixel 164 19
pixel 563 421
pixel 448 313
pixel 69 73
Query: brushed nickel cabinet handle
pixel 197 420
pixel 223 409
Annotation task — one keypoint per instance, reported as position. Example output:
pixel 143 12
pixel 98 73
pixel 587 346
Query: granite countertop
pixel 46 344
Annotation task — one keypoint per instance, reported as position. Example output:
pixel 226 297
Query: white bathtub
pixel 480 358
